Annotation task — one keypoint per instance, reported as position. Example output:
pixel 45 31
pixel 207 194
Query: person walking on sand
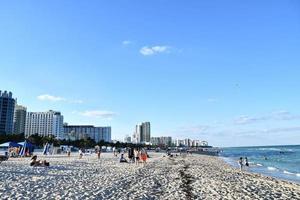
pixel 241 163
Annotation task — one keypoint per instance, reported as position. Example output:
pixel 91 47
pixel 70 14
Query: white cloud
pixel 99 114
pixel 147 51
pixel 284 115
pixel 242 120
pixel 277 116
pixel 47 97
pixel 127 42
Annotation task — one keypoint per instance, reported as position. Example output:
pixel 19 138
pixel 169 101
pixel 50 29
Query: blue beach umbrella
pixel 10 144
pixel 46 149
pixel 23 150
pixel 29 146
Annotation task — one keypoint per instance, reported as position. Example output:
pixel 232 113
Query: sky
pixel 223 71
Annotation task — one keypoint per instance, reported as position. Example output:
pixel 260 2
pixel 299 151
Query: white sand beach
pixel 183 177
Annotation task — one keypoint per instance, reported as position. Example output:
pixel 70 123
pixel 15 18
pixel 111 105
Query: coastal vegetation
pixel 40 141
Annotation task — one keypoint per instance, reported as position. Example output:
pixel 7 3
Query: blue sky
pixel 223 71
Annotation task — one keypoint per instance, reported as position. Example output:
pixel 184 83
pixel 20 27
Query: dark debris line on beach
pixel 186 181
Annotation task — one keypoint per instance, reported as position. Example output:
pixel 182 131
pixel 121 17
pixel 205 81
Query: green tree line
pixel 40 141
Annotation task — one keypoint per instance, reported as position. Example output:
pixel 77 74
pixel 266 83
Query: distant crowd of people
pixel 134 155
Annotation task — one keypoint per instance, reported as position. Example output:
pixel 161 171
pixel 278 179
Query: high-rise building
pixel 142 133
pixel 77 132
pixel 7 107
pixel 44 124
pixel 19 119
pixel 138 134
pixel 134 138
pixel 146 132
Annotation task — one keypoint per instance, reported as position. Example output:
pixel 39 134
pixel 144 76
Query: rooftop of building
pixel 49 111
pixel 5 94
pixel 85 126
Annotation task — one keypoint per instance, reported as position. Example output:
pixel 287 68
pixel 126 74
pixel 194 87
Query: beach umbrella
pixel 46 149
pixel 10 144
pixel 29 146
pixel 23 150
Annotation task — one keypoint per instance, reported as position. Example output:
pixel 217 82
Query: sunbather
pixel 122 159
pixel 37 163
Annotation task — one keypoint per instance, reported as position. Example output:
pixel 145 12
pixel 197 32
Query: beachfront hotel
pixel 44 123
pixel 142 134
pixel 77 132
pixel 7 106
pixel 164 141
pixel 19 119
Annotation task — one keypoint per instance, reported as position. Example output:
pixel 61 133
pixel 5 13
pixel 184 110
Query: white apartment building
pixel 44 124
pixel 77 132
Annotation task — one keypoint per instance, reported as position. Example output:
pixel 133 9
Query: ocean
pixel 281 162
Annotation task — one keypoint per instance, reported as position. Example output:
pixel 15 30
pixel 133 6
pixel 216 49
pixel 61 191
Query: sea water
pixel 277 161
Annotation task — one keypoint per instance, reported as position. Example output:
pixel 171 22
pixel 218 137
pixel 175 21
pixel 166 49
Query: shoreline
pixel 249 171
pixel 263 170
pixel 182 177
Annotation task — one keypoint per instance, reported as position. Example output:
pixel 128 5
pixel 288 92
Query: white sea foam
pixel 270 149
pixel 272 168
pixel 287 172
pixel 298 174
pixel 290 150
pixel 258 164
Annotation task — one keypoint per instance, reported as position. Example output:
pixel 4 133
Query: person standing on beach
pixel 131 154
pixel 136 156
pixel 246 162
pixel 144 157
pixel 99 153
pixel 241 163
pixel 80 153
pixel 114 150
